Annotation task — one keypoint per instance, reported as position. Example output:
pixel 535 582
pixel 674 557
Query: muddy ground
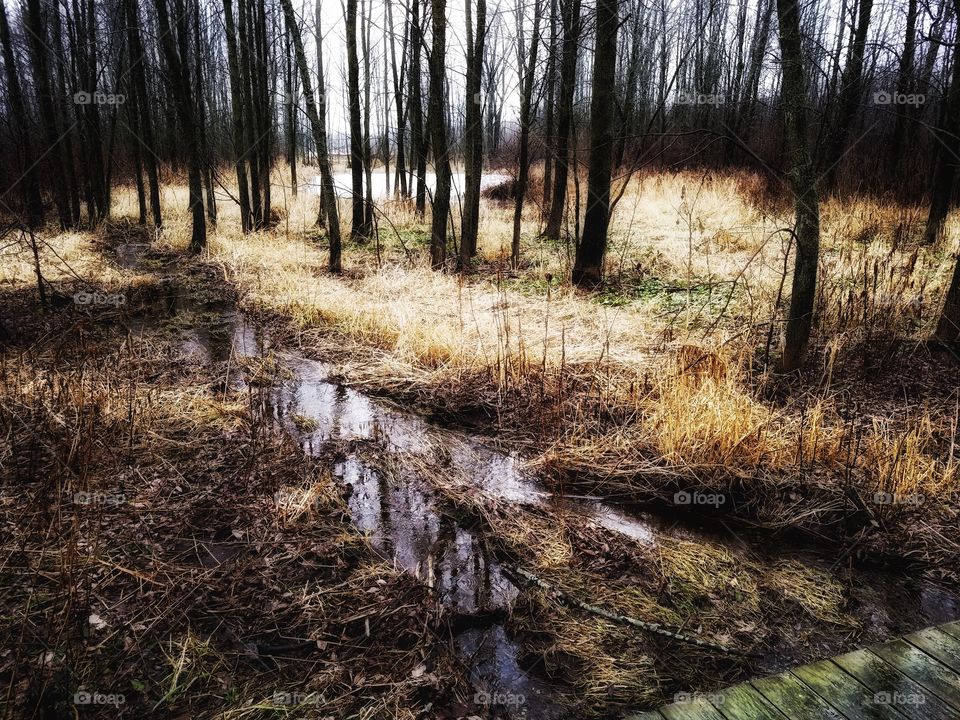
pixel 201 517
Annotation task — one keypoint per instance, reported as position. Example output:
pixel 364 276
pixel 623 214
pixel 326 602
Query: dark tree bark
pixel 630 84
pixel 91 111
pixel 29 187
pixel 568 78
pixel 850 93
pixel 237 104
pixel 359 231
pixel 39 48
pixel 179 79
pixel 803 183
pixel 291 114
pixel 947 151
pixel 548 132
pixel 73 189
pixel 263 105
pixel 473 134
pixel 588 268
pixel 143 119
pixel 397 76
pixel 202 119
pixel 317 114
pixel 365 26
pixel 419 138
pixel 904 81
pixel 245 46
pixel 438 130
pixel 526 100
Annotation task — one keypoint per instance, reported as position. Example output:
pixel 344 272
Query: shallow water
pixel 398 507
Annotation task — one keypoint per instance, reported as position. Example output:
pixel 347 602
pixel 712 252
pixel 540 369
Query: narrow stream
pixel 396 506
pixel 399 510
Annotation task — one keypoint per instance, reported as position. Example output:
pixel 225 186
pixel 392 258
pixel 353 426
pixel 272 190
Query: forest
pixel 476 358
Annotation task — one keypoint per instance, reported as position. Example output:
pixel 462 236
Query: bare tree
pixel 588 268
pixel 946 160
pixel 850 93
pixel 473 133
pixel 803 183
pixel 179 80
pixel 564 113
pixel 317 114
pixel 398 77
pixel 29 186
pixel 419 137
pixel 526 79
pixel 438 130
pixel 238 102
pixel 359 229
pixel 144 122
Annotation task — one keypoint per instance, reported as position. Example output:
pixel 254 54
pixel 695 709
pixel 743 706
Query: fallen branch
pixel 655 628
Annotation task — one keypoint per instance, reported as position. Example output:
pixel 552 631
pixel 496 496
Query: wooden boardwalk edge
pixel 915 677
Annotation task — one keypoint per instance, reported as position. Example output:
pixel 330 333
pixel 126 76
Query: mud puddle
pixel 401 511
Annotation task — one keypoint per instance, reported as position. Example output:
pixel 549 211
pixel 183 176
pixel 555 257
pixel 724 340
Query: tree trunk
pixel 568 78
pixel 37 35
pixel 202 120
pixel 317 114
pixel 237 103
pixel 548 130
pixel 245 46
pixel 397 76
pixel 947 150
pixel 904 81
pixel 144 121
pixel 850 93
pixel 588 268
pixel 473 135
pixel 803 182
pixel 365 25
pixel 438 130
pixel 526 98
pixel 291 112
pixel 418 136
pixel 180 85
pixel 29 187
pixel 358 230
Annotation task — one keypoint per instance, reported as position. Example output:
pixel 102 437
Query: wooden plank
pixel 844 692
pixel 890 685
pixel 935 643
pixel 923 669
pixel 952 629
pixel 698 709
pixel 794 699
pixel 744 702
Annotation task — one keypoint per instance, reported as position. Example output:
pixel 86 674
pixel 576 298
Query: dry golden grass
pixel 404 326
